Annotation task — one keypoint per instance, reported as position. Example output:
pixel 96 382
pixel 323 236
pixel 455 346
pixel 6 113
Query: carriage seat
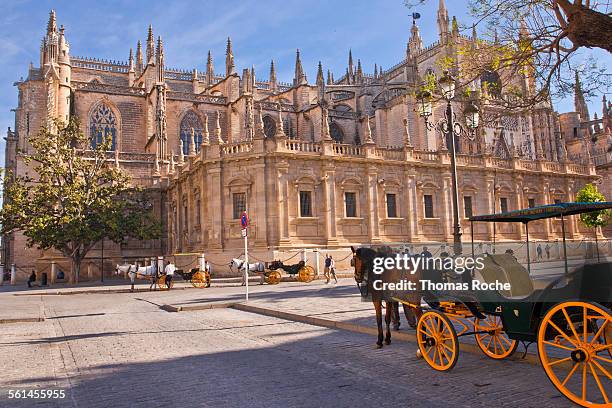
pixel 506 269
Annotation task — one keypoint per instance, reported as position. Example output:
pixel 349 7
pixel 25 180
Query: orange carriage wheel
pixel 437 338
pixel 495 343
pixel 198 280
pixel 306 274
pixel 574 334
pixel 274 278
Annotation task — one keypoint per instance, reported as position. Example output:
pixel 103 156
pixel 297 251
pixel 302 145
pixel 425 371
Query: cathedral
pixel 344 159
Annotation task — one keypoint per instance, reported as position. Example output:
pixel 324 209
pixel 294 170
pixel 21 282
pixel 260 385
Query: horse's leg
pixel 388 314
pixel 378 308
pixel 396 317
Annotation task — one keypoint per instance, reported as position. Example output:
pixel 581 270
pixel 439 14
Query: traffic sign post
pixel 244 221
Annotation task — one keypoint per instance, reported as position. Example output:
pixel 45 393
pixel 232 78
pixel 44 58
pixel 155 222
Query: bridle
pixel 363 285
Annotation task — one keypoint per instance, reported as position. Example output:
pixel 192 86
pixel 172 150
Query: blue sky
pixel 376 31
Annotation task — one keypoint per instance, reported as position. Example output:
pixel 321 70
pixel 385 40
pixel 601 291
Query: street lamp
pixel 450 128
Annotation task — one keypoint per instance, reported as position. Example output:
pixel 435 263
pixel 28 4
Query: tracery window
pixel 102 125
pixel 191 121
pixel 269 126
pixel 336 133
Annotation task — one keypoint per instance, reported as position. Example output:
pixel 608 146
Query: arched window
pixel 288 127
pixel 269 126
pixel 102 125
pixel 336 133
pixel 191 121
pixel 492 81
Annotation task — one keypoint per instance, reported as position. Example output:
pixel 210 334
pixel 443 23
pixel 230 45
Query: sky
pixel 376 31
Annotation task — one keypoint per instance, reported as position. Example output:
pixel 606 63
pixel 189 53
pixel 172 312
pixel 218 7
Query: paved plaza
pixel 112 349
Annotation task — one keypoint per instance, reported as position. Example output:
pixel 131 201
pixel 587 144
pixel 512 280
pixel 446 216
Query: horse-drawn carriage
pixel 569 318
pixel 270 270
pixel 199 279
pixel 303 272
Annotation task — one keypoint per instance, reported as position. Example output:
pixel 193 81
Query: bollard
pixel 1 275
pixel 160 264
pixel 317 259
pixel 13 274
pixel 53 272
pixel 202 259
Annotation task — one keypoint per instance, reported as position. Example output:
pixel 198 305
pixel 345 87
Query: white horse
pixel 133 271
pixel 257 267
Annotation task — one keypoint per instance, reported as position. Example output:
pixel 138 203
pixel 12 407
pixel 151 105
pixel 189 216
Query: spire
pixel 252 84
pixel 52 24
pixel 160 60
pixel 272 79
pixel 229 58
pixel 415 43
pixel 139 56
pixel 218 128
pixel 367 131
pixel 280 132
pixel 325 133
pixel 351 72
pixel 181 151
pixel 329 78
pixel 205 134
pixel 150 46
pixel 320 79
pixel 259 129
pixel 192 140
pixel 407 141
pixel 359 72
pixel 442 21
pixel 299 78
pixel 455 27
pixel 604 112
pixel 210 69
pixel 131 62
pixel 579 102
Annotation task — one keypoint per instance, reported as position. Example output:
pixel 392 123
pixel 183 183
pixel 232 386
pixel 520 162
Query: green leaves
pixel 590 194
pixel 76 198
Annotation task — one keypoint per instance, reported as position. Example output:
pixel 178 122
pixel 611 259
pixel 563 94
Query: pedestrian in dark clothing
pixel 31 279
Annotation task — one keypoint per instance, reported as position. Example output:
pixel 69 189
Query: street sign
pixel 244 220
pixel 244 232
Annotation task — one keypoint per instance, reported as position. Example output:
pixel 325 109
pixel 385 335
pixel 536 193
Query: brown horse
pixel 363 262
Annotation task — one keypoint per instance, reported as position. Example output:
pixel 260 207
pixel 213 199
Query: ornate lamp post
pixel 450 128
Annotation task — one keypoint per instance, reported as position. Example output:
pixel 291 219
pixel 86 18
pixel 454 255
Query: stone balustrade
pixel 302 146
pixel 372 152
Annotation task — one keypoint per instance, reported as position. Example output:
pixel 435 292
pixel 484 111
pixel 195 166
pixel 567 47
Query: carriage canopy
pixel 545 211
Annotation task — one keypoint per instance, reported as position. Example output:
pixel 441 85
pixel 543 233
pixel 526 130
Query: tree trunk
pixel 587 27
pixel 76 269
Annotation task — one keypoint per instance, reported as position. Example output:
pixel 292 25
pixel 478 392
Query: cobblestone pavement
pixel 122 350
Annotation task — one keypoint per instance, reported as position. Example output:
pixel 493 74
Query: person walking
pixel 332 268
pixel 31 279
pixel 169 271
pixel 327 264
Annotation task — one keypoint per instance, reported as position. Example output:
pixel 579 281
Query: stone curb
pixel 530 358
pixel 22 320
pixel 104 290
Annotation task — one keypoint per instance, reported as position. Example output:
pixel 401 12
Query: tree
pixel 540 40
pixel 77 197
pixel 590 194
